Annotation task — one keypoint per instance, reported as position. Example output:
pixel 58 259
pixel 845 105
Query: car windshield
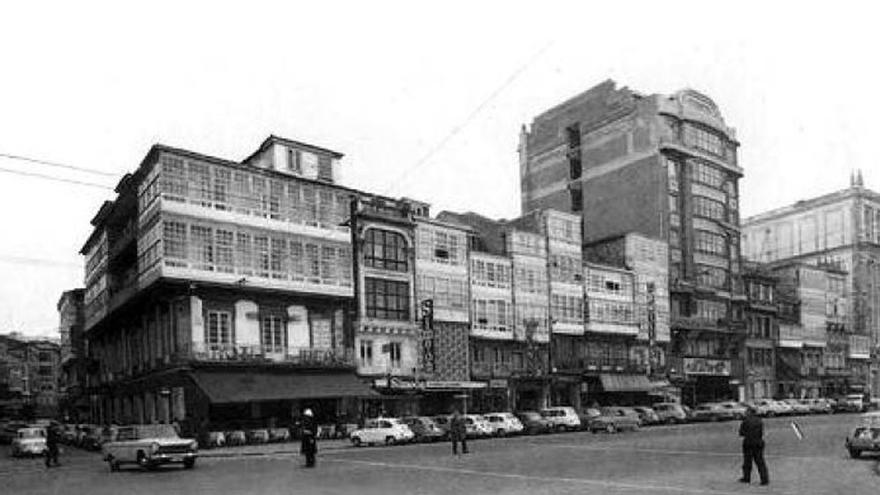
pixel 155 431
pixel 31 433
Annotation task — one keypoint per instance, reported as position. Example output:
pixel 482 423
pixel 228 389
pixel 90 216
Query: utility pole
pixel 652 327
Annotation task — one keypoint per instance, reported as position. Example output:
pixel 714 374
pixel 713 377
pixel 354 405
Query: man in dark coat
pixel 52 446
pixel 309 445
pixel 752 431
pixel 458 433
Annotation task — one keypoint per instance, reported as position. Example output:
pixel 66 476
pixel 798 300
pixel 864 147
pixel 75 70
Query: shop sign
pixel 453 384
pixel 397 383
pixel 704 366
pixel 498 383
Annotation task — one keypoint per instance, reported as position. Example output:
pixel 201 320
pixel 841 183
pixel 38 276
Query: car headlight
pixel 154 448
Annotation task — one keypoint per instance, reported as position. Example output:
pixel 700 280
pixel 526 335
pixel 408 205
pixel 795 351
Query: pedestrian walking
pixel 52 447
pixel 752 431
pixel 458 433
pixel 309 445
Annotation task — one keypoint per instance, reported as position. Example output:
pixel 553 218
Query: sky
pixel 425 99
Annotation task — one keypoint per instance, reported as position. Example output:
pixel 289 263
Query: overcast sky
pixel 94 85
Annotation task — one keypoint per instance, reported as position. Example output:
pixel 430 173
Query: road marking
pixel 670 451
pixel 524 477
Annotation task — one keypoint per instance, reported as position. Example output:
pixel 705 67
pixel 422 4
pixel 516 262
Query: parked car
pixel 149 446
pixel 235 437
pixel 257 436
pixel 865 437
pixel 476 426
pixel 216 439
pixel 68 434
pixel 29 441
pixel 712 411
pixel 424 428
pixel 9 432
pixel 647 416
pixel 587 416
pixel 382 430
pixel 670 412
pixel 783 408
pixel 533 422
pixel 689 412
pixel 797 407
pixel 762 407
pixel 614 419
pixel 90 437
pixel 816 406
pixel 737 410
pixel 851 403
pixel 279 434
pixel 561 418
pixel 444 422
pixel 504 423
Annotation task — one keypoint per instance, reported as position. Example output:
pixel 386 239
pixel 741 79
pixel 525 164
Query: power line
pixel 59 165
pixel 57 179
pixel 24 260
pixel 455 130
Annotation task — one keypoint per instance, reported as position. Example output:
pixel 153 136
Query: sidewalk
pixel 271 449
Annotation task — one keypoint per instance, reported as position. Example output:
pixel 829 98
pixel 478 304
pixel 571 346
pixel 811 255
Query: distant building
pixel 810 360
pixel 838 229
pixel 73 383
pixel 666 167
pixel 756 367
pixel 29 373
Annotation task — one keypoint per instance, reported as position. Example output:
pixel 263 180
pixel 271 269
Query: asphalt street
pixel 686 459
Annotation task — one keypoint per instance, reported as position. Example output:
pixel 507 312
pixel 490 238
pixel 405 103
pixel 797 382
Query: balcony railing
pixel 267 354
pixel 496 370
pixel 621 365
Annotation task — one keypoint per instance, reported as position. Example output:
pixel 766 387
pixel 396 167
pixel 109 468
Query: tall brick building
pixel 664 166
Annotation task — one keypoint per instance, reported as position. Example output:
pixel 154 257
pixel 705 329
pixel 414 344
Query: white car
pixel 504 423
pixel 477 426
pixel 148 446
pixel 382 430
pixel 561 418
pixel 29 441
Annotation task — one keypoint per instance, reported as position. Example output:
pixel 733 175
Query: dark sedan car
pixel 424 428
pixel 533 422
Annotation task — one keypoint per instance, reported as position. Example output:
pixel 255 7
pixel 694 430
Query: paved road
pixel 688 459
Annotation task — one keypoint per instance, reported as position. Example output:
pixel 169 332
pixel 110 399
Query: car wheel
pixel 389 440
pixel 356 441
pixel 610 428
pixel 855 453
pixel 189 463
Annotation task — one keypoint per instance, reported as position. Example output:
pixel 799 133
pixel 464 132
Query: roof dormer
pixel 296 158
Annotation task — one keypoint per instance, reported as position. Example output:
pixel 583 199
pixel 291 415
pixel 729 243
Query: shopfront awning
pixel 625 383
pixel 224 387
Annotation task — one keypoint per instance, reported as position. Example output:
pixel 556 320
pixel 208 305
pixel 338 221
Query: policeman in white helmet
pixel 309 446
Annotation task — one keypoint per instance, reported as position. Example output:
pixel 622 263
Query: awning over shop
pixel 240 386
pixel 625 383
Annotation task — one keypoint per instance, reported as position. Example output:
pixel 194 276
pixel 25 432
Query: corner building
pixel 664 166
pixel 220 294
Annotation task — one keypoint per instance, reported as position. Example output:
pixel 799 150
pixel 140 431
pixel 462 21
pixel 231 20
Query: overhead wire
pixel 458 128
pixel 58 165
pixel 56 179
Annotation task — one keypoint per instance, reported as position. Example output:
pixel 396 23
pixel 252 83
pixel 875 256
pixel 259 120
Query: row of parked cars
pixel 601 419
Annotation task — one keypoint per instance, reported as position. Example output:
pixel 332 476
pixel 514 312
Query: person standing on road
pixel 752 431
pixel 309 445
pixel 458 432
pixel 52 447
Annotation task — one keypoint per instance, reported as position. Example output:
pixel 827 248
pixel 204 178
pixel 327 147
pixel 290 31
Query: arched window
pixel 386 250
